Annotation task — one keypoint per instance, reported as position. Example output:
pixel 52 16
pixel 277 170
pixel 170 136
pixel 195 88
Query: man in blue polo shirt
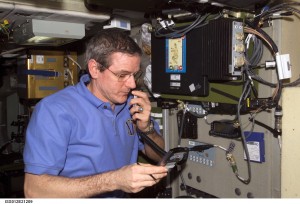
pixel 82 141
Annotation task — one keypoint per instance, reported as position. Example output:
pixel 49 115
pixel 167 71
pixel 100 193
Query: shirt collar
pixel 84 92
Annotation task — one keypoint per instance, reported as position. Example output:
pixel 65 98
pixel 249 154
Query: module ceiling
pixel 13 12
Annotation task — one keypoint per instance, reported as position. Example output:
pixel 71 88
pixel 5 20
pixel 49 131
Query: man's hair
pixel 106 42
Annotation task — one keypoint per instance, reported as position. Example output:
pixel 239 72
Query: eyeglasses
pixel 125 77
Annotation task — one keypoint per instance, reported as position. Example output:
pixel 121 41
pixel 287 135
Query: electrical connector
pixel 258 103
pixel 232 163
pixel 270 64
pixel 278 119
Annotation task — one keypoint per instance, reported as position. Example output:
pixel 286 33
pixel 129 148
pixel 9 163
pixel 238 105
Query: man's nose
pixel 131 82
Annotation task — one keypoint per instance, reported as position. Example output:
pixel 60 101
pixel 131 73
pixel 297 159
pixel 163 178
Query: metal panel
pixel 218 179
pixel 45 73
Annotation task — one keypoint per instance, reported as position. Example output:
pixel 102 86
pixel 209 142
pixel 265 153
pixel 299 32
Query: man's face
pixel 114 84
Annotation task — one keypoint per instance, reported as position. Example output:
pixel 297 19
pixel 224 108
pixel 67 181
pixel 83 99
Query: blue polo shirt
pixel 72 133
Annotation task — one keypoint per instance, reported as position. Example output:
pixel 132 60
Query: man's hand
pixel 141 110
pixel 136 177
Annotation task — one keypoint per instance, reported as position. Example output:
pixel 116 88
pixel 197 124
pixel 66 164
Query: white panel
pixel 290 185
pixel 58 29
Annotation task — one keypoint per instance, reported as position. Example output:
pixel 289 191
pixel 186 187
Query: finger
pixel 139 94
pixel 140 109
pixel 143 164
pixel 142 118
pixel 136 101
pixel 136 109
pixel 149 177
pixel 154 179
pixel 159 176
pixel 151 169
pixel 141 177
pixel 141 99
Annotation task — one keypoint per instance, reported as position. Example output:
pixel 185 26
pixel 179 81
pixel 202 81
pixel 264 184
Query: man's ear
pixel 93 68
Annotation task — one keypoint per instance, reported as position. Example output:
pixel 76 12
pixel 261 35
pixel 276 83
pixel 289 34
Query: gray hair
pixel 106 42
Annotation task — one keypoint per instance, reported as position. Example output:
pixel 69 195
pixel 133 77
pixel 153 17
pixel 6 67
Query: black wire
pixel 181 127
pixel 266 14
pixel 275 50
pixel 184 184
pixel 270 129
pixel 3 147
pixel 272 85
pixel 179 143
pixel 291 84
pixel 280 7
pixel 279 92
pixel 264 34
pixel 152 144
pixel 170 32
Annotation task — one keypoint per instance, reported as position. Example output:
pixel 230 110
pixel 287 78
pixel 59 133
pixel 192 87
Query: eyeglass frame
pixel 126 76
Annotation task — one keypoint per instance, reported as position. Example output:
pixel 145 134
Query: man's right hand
pixel 136 177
